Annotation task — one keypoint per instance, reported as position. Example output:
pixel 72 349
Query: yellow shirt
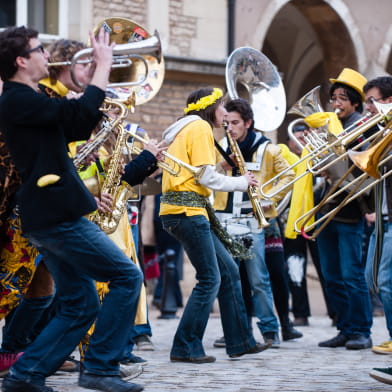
pixel 194 145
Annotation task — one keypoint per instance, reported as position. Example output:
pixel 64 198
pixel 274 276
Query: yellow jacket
pixel 272 164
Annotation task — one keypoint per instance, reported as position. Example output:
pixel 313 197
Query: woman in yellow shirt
pixel 186 214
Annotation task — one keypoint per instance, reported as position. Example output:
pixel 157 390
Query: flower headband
pixel 204 102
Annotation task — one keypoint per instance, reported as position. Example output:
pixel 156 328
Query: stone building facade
pixel 309 41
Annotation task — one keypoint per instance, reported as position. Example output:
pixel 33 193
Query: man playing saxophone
pixel 37 129
pixel 265 161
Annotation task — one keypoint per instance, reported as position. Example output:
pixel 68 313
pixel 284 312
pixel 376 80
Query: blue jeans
pixel 19 329
pixel 384 276
pixel 260 284
pixel 216 274
pixel 77 254
pixel 340 247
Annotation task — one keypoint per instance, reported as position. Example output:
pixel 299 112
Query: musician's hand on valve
pixel 250 177
pixel 156 148
pixel 105 202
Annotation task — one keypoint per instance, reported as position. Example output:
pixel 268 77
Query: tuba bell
pixel 138 66
pixel 252 76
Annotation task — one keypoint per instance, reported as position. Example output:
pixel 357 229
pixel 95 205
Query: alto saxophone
pixel 252 189
pixel 112 184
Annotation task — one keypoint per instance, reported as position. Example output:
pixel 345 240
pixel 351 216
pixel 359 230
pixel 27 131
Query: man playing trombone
pixel 340 242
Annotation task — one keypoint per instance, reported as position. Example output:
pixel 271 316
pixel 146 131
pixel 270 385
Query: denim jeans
pixel 340 248
pixel 384 276
pixel 77 254
pixel 216 274
pixel 260 284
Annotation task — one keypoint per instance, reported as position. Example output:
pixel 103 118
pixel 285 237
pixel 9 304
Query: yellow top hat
pixel 352 79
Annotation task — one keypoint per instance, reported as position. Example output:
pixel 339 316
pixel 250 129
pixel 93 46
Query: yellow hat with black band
pixel 352 79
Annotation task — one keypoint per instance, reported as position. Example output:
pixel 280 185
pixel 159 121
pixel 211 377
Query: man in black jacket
pixel 52 202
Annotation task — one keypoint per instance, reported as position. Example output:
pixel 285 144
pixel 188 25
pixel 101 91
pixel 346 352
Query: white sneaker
pixel 128 372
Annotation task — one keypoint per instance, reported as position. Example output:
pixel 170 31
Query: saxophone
pixel 112 184
pixel 252 189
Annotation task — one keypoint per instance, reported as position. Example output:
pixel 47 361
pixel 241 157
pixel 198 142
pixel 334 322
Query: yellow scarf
pixel 58 87
pixel 318 120
pixel 301 199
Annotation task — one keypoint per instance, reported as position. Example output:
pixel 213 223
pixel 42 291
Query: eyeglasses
pixel 38 48
pixel 340 98
pixel 371 100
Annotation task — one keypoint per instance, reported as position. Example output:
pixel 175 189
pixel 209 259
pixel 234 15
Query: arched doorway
pixel 309 43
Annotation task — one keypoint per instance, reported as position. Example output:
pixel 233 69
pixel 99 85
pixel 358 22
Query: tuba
pixel 252 76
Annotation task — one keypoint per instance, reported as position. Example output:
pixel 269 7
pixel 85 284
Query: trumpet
pixel 174 169
pixel 197 172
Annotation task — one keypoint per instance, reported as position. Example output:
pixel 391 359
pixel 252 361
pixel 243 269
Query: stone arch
pixel 385 53
pixel 309 41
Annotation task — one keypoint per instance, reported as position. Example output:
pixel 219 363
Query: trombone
pixel 321 151
pixel 369 162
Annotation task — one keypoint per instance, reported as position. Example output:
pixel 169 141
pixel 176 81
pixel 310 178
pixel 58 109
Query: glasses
pixel 38 48
pixel 371 100
pixel 340 98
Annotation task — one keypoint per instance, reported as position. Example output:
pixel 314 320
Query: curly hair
pixel 62 50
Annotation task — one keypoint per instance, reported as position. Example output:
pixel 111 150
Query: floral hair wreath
pixel 204 102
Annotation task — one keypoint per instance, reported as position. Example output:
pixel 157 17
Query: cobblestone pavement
pixel 298 365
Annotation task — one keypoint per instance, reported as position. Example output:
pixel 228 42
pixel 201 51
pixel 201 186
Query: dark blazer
pixel 37 130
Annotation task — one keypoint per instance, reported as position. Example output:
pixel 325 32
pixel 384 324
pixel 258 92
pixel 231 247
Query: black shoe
pixel 359 342
pixel 107 383
pixel 291 333
pixel 338 341
pixel 201 359
pixel 220 343
pixel 258 348
pixel 301 322
pixel 11 384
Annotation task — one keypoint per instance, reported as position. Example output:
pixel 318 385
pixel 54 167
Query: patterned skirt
pixel 18 262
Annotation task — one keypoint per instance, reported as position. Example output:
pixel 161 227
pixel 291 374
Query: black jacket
pixel 37 130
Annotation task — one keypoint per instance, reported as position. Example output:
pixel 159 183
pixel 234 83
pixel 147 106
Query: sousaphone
pixel 252 76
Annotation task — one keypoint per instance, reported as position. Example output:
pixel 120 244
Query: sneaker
pixel 272 338
pixel 383 348
pixel 144 343
pixel 383 375
pixel 220 343
pixel 11 384
pixel 128 372
pixel 358 342
pixel 6 361
pixel 107 383
pixel 132 359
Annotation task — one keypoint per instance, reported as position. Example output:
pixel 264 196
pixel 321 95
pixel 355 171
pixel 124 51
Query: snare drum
pixel 240 233
pixel 237 230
